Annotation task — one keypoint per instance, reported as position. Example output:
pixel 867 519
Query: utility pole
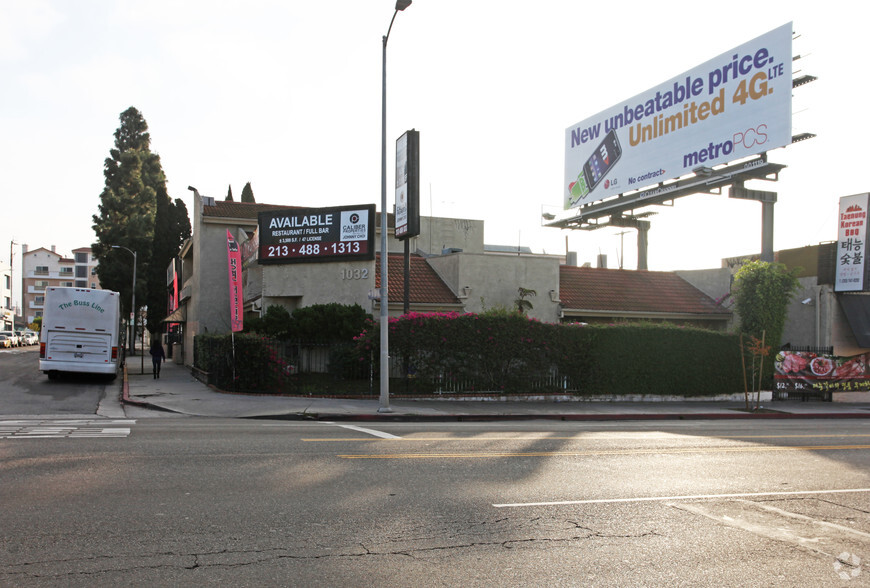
pixel 12 244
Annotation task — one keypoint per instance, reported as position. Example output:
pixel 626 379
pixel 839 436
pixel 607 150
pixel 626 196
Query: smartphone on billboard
pixel 602 160
pixel 596 167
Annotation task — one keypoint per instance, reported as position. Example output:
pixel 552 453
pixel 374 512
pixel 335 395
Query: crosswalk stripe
pixel 65 429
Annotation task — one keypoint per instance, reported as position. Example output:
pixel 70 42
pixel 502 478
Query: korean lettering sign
pixel 851 240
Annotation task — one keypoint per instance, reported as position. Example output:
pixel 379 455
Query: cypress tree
pixel 135 212
pixel 248 193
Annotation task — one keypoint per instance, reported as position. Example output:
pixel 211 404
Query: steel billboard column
pixel 642 244
pixel 767 231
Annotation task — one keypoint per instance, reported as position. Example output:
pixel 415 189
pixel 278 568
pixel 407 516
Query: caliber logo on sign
pixel 354 225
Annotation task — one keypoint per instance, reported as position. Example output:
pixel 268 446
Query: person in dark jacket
pixel 157 355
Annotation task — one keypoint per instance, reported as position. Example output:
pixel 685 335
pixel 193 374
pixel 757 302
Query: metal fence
pixel 336 369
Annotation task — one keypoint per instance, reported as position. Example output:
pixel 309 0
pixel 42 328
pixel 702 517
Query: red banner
pixel 234 263
pixel 805 371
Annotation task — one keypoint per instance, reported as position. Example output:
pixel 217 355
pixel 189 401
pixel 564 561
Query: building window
pixel 81 283
pixel 41 270
pixel 81 271
pixel 40 286
pixel 81 258
pixel 66 284
pixel 66 271
pixel 40 300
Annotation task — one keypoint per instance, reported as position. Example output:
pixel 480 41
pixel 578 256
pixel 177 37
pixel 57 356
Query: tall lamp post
pixel 12 243
pixel 133 301
pixel 385 303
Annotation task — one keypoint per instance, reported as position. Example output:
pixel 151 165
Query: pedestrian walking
pixel 157 354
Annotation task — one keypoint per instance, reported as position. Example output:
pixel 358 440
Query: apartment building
pixel 43 267
pixel 6 309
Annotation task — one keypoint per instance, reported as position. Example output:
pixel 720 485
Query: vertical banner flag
pixel 234 262
pixel 851 236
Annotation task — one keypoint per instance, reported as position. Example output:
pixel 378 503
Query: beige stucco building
pixel 451 270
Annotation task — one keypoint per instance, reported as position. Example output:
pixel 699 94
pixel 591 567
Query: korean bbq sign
pixel 316 235
pixel 851 236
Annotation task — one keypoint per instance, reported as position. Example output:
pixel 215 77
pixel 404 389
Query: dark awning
pixel 179 315
pixel 857 309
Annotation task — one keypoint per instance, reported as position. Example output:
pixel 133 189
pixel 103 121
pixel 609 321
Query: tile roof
pixel 426 286
pixel 628 291
pixel 226 209
pixel 250 210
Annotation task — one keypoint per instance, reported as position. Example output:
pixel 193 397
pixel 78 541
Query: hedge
pixel 501 353
pixel 513 353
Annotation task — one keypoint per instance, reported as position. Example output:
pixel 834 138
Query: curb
pixel 578 417
pixel 125 398
pixel 418 418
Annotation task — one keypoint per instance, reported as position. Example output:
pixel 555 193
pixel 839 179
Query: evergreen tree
pixel 127 209
pixel 172 228
pixel 136 212
pixel 229 197
pixel 248 193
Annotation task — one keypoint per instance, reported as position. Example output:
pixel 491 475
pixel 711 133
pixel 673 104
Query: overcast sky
pixel 286 95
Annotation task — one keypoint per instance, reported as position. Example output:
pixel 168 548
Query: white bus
pixel 79 331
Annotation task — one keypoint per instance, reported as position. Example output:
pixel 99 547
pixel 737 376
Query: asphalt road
pixel 24 390
pixel 192 501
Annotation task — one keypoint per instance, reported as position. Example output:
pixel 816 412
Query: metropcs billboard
pixel 733 106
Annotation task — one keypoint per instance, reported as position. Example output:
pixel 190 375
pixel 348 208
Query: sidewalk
pixel 178 391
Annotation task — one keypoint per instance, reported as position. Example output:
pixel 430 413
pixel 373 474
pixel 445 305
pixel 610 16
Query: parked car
pixel 5 343
pixel 13 338
pixel 29 338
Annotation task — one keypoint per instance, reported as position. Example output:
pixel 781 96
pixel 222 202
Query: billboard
pixel 316 235
pixel 733 106
pixel 851 236
pixel 408 185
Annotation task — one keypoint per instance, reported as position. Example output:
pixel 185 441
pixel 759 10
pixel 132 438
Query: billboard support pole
pixel 407 306
pixel 642 244
pixel 767 231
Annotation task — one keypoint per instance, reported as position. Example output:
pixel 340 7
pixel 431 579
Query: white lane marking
pixel 688 497
pixel 380 434
pixel 64 428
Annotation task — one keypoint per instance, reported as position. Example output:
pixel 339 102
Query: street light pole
pixel 133 301
pixel 12 243
pixel 385 303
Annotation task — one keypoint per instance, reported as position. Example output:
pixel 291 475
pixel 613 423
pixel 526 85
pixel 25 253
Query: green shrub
pixel 318 323
pixel 499 352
